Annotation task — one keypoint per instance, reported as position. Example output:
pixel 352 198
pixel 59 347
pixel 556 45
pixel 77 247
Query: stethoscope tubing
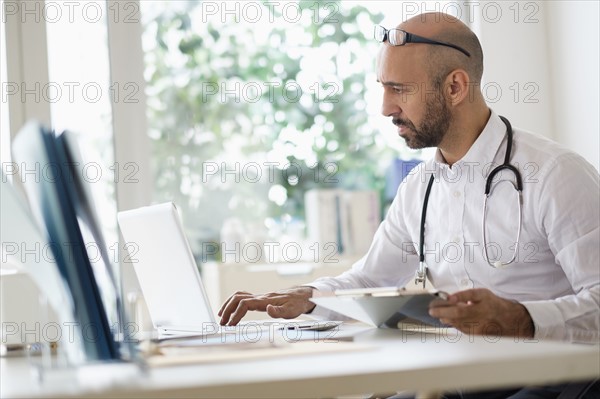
pixel 421 274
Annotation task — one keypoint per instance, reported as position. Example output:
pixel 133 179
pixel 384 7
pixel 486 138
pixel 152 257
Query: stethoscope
pixel 421 274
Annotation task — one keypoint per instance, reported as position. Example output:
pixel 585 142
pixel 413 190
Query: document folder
pixel 382 307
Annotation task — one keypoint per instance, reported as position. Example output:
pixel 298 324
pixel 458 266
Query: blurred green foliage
pixel 236 108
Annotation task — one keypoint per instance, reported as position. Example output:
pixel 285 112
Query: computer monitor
pixel 59 202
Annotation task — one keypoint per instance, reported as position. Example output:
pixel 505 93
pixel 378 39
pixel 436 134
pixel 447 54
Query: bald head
pixel 441 60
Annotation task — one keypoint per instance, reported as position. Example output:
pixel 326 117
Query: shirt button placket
pixel 456 226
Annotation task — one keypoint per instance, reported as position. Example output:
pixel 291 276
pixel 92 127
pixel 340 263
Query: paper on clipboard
pixel 382 306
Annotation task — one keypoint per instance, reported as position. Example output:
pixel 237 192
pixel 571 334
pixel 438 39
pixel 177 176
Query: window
pixel 79 93
pixel 251 105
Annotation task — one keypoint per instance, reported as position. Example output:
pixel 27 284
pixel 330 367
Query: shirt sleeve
pixel 568 214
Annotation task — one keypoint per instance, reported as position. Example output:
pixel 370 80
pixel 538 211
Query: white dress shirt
pixel 556 275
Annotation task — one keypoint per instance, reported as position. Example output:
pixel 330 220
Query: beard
pixel 432 129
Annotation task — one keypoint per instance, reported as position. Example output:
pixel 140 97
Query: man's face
pixel 417 108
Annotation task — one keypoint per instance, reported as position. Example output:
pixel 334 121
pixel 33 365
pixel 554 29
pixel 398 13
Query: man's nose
pixel 388 106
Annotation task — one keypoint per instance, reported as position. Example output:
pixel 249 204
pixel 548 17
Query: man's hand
pixel 286 304
pixel 479 311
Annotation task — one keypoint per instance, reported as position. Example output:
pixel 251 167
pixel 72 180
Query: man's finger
pixel 231 297
pixel 461 311
pixel 232 305
pixel 224 306
pixel 440 303
pixel 244 306
pixel 472 295
pixel 228 307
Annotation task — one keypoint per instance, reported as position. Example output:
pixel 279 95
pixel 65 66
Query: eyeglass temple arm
pixel 412 38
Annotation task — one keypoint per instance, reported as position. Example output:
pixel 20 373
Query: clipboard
pixel 382 307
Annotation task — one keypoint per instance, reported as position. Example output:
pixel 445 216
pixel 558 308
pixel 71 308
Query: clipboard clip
pixel 421 274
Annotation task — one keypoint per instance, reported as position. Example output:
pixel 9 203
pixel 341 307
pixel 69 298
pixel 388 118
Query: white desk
pixel 396 361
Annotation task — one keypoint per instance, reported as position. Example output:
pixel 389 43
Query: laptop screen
pixel 165 268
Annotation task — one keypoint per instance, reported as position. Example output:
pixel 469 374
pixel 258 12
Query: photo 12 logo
pixel 65 332
pixel 252 92
pixel 271 252
pixel 268 171
pixel 54 12
pixel 89 172
pixel 491 12
pixel 70 92
pixel 290 12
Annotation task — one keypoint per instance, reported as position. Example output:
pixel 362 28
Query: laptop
pixel 169 277
pixel 166 270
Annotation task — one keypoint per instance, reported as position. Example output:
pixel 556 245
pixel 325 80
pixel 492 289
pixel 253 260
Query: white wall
pixel 574 38
pixel 516 80
pixel 550 50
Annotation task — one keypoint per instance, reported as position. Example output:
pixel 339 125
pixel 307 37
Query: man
pixel 431 85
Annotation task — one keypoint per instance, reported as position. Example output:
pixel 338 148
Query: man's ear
pixel 456 87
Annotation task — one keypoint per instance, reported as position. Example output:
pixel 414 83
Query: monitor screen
pixel 59 203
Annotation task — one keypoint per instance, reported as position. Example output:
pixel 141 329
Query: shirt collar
pixel 487 145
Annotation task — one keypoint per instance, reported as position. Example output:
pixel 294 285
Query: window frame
pixel 27 65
